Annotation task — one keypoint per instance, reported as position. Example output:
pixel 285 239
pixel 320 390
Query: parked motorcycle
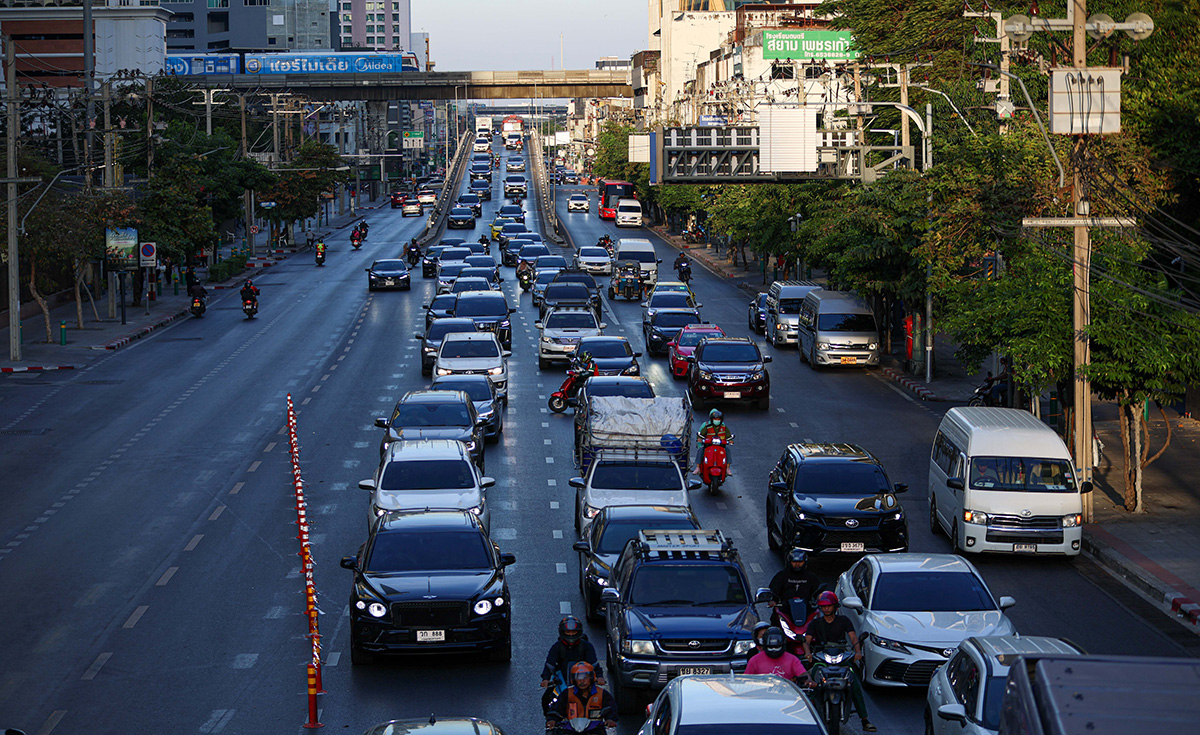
pixel 833 682
pixel 250 308
pixel 714 462
pixel 198 306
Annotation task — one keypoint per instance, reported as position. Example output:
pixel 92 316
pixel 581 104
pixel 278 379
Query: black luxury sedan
pixel 388 274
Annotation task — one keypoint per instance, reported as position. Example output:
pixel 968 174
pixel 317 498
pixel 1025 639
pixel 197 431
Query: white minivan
pixel 639 249
pixel 629 213
pixel 1001 480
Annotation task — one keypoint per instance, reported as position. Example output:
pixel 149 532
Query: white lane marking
pixel 560 568
pixel 52 722
pixel 237 488
pixel 339 486
pixel 547 442
pixel 721 505
pixel 557 533
pixel 333 658
pixel 793 424
pixel 306 401
pixel 275 613
pixel 137 614
pixel 553 505
pixel 552 482
pixel 549 460
pixel 350 463
pixel 191 546
pixel 96 666
pixel 899 392
pixel 316 388
pixel 361 445
pixel 166 577
pixel 254 466
pixel 269 447
pixel 545 424
pixel 217 720
pixel 780 410
pixel 245 660
pixel 564 608
pixel 217 513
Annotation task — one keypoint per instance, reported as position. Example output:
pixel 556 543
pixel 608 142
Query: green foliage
pixel 228 268
pixel 175 211
pixel 297 190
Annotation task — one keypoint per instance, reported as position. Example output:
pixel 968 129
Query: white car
pixel 964 696
pixel 427 196
pixel 628 478
pixel 478 353
pixel 560 332
pixel 912 610
pixel 428 473
pixel 481 145
pixel 578 203
pixel 593 259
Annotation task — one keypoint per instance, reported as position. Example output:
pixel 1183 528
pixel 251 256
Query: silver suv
pixel 432 474
pixel 474 353
pixel 560 332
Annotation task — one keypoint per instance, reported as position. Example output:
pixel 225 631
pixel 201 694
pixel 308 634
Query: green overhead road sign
pixel 413 139
pixel 805 45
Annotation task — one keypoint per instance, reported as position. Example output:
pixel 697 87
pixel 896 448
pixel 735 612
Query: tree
pixel 316 169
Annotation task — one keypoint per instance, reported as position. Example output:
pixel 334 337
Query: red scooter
pixel 793 631
pixel 714 462
pixel 558 400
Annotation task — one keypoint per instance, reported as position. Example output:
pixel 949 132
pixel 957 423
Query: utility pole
pixel 89 74
pixel 208 102
pixel 149 125
pixel 106 93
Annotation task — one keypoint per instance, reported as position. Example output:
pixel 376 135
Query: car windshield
pixel 571 320
pixel 420 551
pixel 461 212
pixel 629 208
pixel 928 591
pixel 427 474
pixel 476 390
pixel 577 277
pixel 607 348
pixel 641 256
pixel 846 323
pixel 672 320
pixel 789 306
pixel 463 285
pixel 631 389
pixel 1022 474
pixel 567 291
pixel 636 476
pixel 730 352
pixel 441 328
pixel 431 414
pixel 546 277
pixel 691 339
pixel 534 251
pixel 470 348
pixel 593 253
pixel 452 269
pixel 693 585
pixel 669 300
pixel 468 199
pixel 443 302
pixel 481 307
pixel 551 261
pixel 617 533
pixel 840 478
pixel 578 198
pixel 482 261
pixel 477 272
pixel 434 251
pixel 389 265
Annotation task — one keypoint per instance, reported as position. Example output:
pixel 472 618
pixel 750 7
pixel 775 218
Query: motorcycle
pixel 320 256
pixel 714 462
pixel 250 307
pixel 356 242
pixel 833 682
pixel 560 399
pixel 579 725
pixel 363 227
pixel 198 306
pixel 606 243
pixel 982 396
pixel 685 272
pixel 525 278
pixel 414 256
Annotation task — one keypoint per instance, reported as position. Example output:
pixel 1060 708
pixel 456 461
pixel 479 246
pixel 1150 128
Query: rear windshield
pixel 481 307
pixel 476 390
pixel 635 389
pixel 453 269
pixel 431 414
pixel 571 320
pixel 730 352
pixel 470 348
pixel 455 253
pixel 468 199
pixel 577 277
pixel 691 339
pixel 545 277
pixel 445 301
pixel 669 300
pixel 427 474
pixel 466 285
pixel 641 256
pixel 567 291
pixel 477 272
pixel 926 591
pixel 607 348
pixel 533 251
pixel 440 329
pixel 674 319
pixel 694 585
pixel 513 228
pixel 846 323
pixel 841 478
pixel 551 261
pixel 420 551
pixel 636 476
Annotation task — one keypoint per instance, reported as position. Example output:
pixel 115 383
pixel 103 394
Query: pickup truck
pixel 634 424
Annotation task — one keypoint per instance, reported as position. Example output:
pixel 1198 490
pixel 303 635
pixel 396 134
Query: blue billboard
pixel 339 63
pixel 202 64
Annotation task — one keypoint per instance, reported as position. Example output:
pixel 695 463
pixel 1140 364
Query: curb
pixel 912 385
pixel 119 343
pixel 36 368
pixel 1107 555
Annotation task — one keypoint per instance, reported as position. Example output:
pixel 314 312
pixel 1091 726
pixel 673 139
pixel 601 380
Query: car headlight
pixel 705 375
pixel 505 324
pixel 487 415
pixel 498 602
pixel 429 350
pixel 801 516
pixel 780 326
pixel 380 511
pixel 443 371
pixel 873 346
pixel 899 516
pixel 889 644
pixel 1072 520
pixel 477 510
pixel 483 607
pixel 601 581
pixel 589 511
pixel 741 648
pixel 632 370
pixel 638 648
pixel 377 609
pixel 822 345
pixel 758 375
pixel 471 446
pixel 975 517
pixel 496 371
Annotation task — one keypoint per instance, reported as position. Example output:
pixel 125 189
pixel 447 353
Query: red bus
pixel 607 194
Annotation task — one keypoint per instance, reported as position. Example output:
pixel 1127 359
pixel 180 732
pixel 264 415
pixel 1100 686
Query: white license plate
pixel 849 360
pixel 1027 548
pixel 733 394
pixel 694 670
pixel 852 547
pixel 431 636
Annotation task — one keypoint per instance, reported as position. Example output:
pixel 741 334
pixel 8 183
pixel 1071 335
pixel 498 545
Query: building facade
pixel 376 25
pixel 202 26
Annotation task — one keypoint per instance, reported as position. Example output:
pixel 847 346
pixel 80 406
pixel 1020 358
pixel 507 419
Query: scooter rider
pixel 583 699
pixel 835 629
pixel 794 585
pixel 570 648
pixel 250 292
pixel 714 427
pixel 774 659
pixel 484 241
pixel 197 291
pixel 525 268
pixel 320 249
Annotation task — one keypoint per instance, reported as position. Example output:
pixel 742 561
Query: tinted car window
pixel 593 253
pixel 470 348
pixel 567 291
pixel 546 277
pixel 641 256
pixel 461 212
pixel 691 339
pixel 440 329
pixel 636 389
pixel 608 348
pixel 533 251
pixel 427 474
pixel 390 265
pixel 727 352
pixel 571 320
pixel 789 306
pixel 480 307
pixel 453 269
pixel 417 551
pixel 664 584
pixel 675 320
pixel 840 478
pixel 930 592
pixel 635 476
pixel 617 533
pixel 455 253
pixel 476 390
pixel 669 300
pixel 846 323
pixel 443 302
pixel 432 414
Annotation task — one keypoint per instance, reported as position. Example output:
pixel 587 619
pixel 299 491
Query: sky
pixel 507 35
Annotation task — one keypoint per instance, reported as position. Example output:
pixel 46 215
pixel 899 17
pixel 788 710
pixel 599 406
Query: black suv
pixel 664 327
pixel 471 201
pixel 611 355
pixel 490 312
pixel 435 414
pixel 677 603
pixel 729 369
pixel 832 499
pixel 429 582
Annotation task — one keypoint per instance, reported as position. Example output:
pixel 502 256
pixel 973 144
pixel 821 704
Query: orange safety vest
pixel 591 708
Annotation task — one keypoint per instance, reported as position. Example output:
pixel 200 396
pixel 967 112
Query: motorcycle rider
pixel 794 586
pixel 362 228
pixel 571 648
pixel 998 392
pixel 320 248
pixel 484 241
pixel 249 292
pixel 833 629
pixel 198 291
pixel 714 427
pixel 583 699
pixel 682 260
pixel 774 659
pixel 760 629
pixel 525 268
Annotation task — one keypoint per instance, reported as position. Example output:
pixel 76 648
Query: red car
pixel 685 344
pixel 398 199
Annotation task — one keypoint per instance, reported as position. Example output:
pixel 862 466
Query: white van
pixel 639 249
pixel 836 328
pixel 629 213
pixel 784 300
pixel 1001 480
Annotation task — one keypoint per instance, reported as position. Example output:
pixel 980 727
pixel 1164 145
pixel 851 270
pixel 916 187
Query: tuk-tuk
pixel 626 280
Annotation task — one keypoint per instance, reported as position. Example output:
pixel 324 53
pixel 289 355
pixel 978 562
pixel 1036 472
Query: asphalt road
pixel 147 540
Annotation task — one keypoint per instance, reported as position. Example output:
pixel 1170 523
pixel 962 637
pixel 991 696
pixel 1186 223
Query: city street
pixel 148 543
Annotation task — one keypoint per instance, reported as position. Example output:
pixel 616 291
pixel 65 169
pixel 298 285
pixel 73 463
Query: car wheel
pixel 753 326
pixel 502 652
pixel 482 462
pixel 954 538
pixel 812 355
pixel 426 370
pixel 624 698
pixel 578 526
pixel 590 611
pixel 697 401
pixel 770 333
pixel 764 403
pixel 935 528
pixel 772 544
pixel 543 364
pixel 370 288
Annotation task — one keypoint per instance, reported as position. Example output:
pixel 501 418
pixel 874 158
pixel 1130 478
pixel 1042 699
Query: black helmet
pixel 570 630
pixel 759 629
pixel 773 642
pixel 797 556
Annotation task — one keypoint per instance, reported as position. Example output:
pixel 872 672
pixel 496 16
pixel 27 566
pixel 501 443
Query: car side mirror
pixel 418 336
pixel 381 423
pixel 955 483
pixel 349 562
pixel 954 712
pixel 538 325
pixel 644 304
pixel 366 484
pixel 779 486
pixel 766 359
pixel 508 559
pixel 698 305
pixel 604 325
pixel 900 487
pixel 694 483
pixel 480 421
pixel 1086 487
pixel 690 358
pixel 658 261
pixel 368 270
pixel 1007 602
pixel 581 546
pixel 764 594
pixel 671 344
pixel 506 353
pixel 852 603
pixel 425 306
pixel 487 481
pixel 608 594
pixel 637 354
pixel 577 482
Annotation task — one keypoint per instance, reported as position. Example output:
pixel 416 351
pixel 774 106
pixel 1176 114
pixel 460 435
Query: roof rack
pixel 683 544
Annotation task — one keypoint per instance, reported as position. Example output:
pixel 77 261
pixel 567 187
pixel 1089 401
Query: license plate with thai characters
pixel 431 636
